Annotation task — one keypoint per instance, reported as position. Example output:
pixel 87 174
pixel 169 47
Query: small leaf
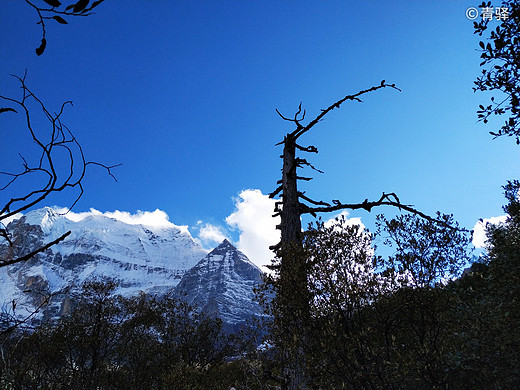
pixel 41 49
pixel 80 5
pixel 53 3
pixel 59 19
pixel 96 3
pixel 69 7
pixel 481 44
pixel 5 109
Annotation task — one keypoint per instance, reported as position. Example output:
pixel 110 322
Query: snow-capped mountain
pixel 222 284
pixel 140 258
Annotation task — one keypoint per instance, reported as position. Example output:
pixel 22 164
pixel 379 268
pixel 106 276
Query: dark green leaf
pixel 41 49
pixel 96 3
pixel 5 109
pixel 80 5
pixel 69 7
pixel 53 3
pixel 59 19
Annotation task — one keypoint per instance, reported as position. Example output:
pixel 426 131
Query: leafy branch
pixel 501 69
pixel 80 8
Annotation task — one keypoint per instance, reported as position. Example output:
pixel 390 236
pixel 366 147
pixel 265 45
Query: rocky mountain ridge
pixel 222 284
pixel 149 259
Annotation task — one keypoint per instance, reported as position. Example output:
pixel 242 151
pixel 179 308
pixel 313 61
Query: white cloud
pixel 253 218
pixel 210 235
pixel 479 231
pixel 348 221
pixel 147 218
pixel 151 219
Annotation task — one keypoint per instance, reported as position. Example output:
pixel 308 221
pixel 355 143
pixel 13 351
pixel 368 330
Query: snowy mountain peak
pixel 222 284
pixel 156 258
pixel 137 257
pixel 224 246
pixel 45 217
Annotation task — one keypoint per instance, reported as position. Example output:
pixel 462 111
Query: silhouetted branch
pixel 310 148
pixel 15 322
pixel 312 201
pixel 384 200
pixel 295 120
pixel 4 263
pixel 275 192
pixel 389 199
pixel 60 165
pixel 300 130
pixel 303 162
pixel 79 8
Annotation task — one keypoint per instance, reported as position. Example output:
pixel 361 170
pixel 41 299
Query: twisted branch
pixel 61 162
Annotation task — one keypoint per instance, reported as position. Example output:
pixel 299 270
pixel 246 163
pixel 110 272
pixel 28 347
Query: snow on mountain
pixel 157 258
pixel 141 258
pixel 222 284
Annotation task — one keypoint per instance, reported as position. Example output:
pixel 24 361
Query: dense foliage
pixel 411 319
pixel 500 53
pixel 408 320
pixel 111 342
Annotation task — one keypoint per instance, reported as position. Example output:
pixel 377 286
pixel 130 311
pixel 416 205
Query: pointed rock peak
pixel 225 245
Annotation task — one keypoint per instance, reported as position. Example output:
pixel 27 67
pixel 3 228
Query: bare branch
pixel 317 203
pixel 383 201
pixel 17 323
pixel 4 263
pixel 275 192
pixel 3 233
pixel 300 131
pixel 310 148
pixel 295 120
pixel 303 162
pixel 69 173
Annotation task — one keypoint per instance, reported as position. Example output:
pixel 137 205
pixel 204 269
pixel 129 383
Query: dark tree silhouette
pixel 292 296
pixel 61 164
pixel 501 67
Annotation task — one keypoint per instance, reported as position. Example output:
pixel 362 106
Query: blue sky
pixel 183 94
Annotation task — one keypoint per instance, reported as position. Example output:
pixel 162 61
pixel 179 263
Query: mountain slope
pixel 222 284
pixel 141 258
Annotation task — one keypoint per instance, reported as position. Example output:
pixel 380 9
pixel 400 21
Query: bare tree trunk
pixel 290 225
pixel 292 314
pixel 293 291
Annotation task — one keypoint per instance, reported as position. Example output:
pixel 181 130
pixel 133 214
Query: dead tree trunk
pixel 292 315
pixel 292 272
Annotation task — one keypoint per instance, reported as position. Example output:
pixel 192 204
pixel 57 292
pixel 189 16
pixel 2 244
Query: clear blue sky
pixel 183 94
